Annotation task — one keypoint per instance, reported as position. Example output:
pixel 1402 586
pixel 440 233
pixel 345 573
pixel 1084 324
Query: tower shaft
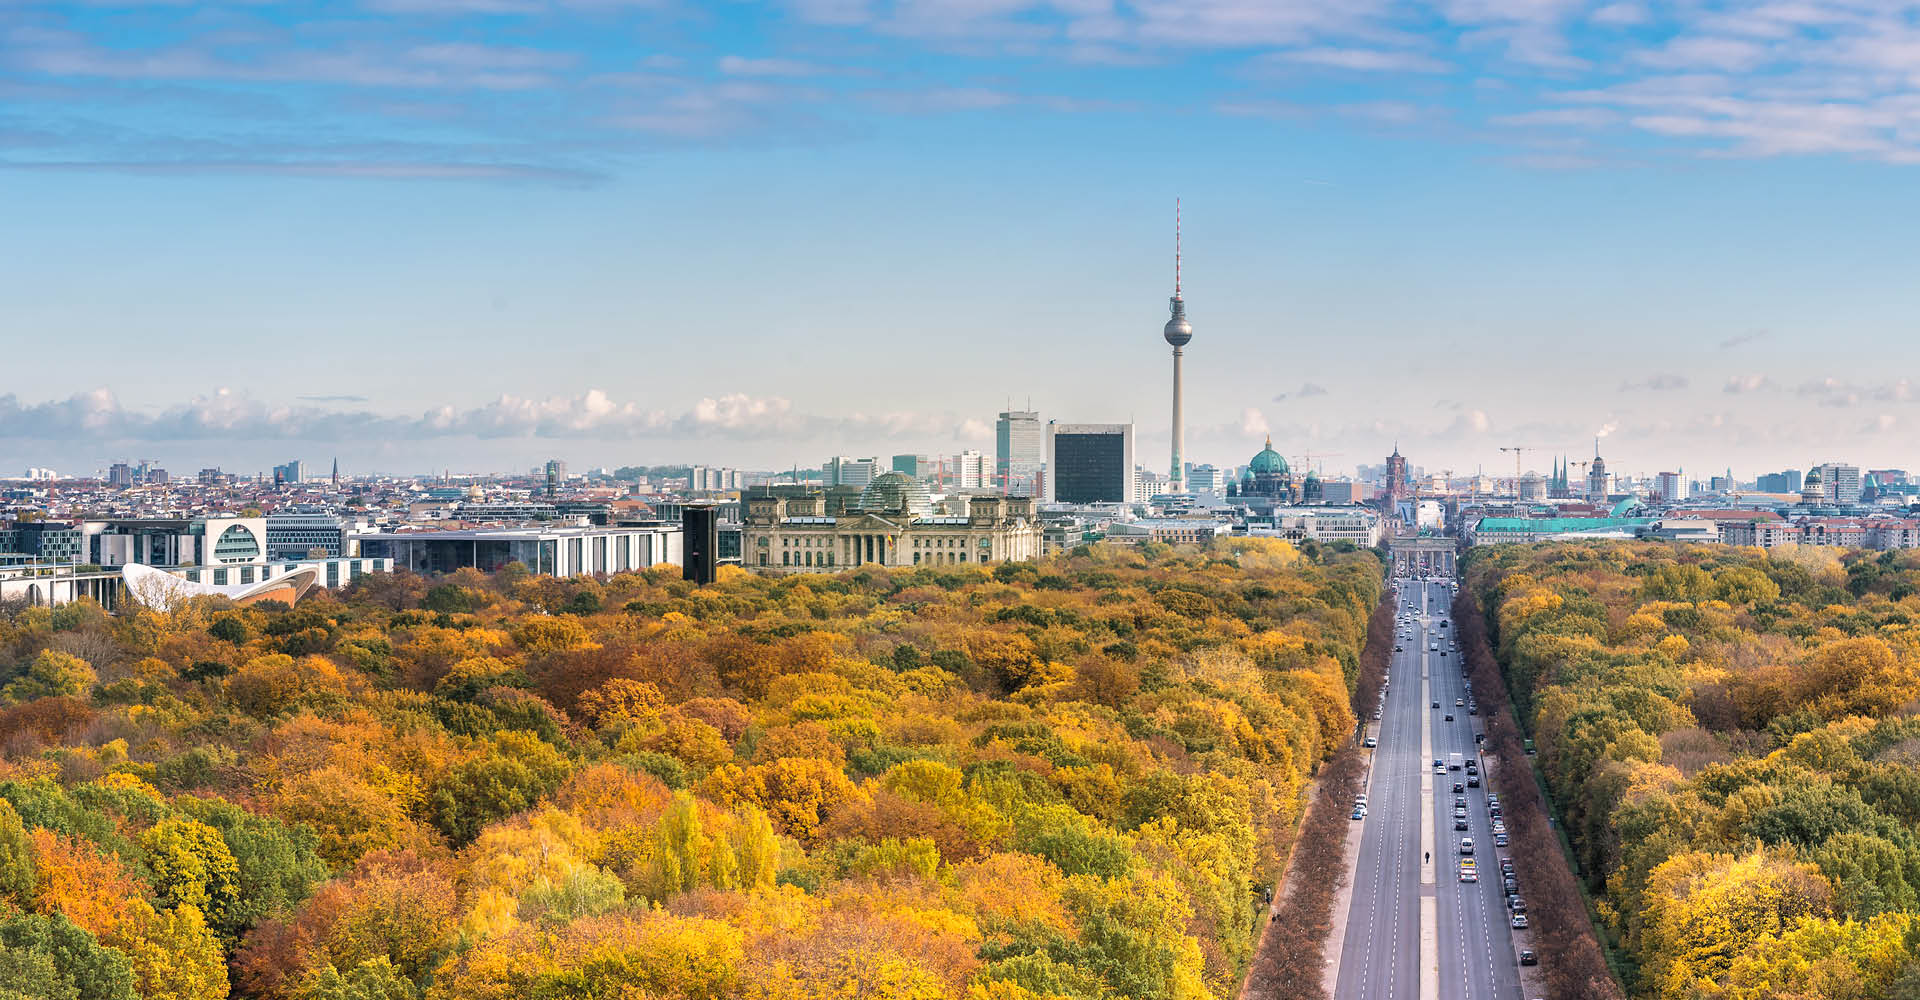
pixel 1179 472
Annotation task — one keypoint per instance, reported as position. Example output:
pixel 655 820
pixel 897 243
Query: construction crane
pixel 1517 450
pixel 1306 458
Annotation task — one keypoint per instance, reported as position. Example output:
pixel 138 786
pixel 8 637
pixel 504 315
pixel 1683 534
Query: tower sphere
pixel 1178 331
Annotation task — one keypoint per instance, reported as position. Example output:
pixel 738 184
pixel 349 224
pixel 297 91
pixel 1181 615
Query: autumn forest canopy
pixel 1066 779
pixel 1732 739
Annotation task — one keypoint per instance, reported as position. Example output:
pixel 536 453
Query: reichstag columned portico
pixel 892 522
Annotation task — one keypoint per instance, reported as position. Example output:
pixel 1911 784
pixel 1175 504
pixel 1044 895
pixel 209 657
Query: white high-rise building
pixel 972 471
pixel 1018 448
pixel 1842 482
pixel 841 470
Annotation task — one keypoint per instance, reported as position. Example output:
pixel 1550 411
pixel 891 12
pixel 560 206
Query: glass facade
pixel 1089 468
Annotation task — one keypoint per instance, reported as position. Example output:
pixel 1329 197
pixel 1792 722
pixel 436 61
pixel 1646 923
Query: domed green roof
pixel 1268 461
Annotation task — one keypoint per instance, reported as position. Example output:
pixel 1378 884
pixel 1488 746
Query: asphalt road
pixel 1397 897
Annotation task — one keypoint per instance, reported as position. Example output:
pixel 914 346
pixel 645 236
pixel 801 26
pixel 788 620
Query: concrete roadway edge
pixel 1343 899
pixel 1336 943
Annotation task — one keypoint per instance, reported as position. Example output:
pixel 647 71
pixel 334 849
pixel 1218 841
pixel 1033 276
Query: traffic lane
pixel 1385 900
pixel 1480 950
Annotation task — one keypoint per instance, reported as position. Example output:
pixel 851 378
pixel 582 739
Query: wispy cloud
pixel 1745 78
pixel 1743 339
pixel 1737 384
pixel 1307 390
pixel 227 415
pixel 1657 382
pixel 1837 393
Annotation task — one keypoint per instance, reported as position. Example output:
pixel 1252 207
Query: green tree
pixel 16 858
pixel 374 979
pixel 80 962
pixel 516 770
pixel 52 674
pixel 277 865
pixel 192 866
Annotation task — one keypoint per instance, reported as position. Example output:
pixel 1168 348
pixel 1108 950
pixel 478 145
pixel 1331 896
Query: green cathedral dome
pixel 1268 462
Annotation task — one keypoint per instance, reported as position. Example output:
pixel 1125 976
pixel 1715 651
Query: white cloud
pixel 1747 383
pixel 1657 382
pixel 743 66
pixel 1836 393
pixel 593 414
pixel 1366 60
pixel 1253 423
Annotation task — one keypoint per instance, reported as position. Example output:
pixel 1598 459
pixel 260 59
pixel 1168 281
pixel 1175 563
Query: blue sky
pixel 475 233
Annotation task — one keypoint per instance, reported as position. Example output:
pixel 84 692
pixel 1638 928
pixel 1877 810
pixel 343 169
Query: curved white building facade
pixel 161 590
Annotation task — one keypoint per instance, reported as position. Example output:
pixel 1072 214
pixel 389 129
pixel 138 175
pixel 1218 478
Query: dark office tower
pixel 700 543
pixel 1090 463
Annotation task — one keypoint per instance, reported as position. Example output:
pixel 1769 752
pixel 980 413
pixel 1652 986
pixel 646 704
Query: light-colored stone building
pixel 891 523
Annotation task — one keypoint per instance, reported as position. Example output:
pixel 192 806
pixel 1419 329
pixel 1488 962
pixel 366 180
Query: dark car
pixel 1460 824
pixel 1449 716
pixel 1512 887
pixel 1459 789
pixel 1528 958
pixel 1436 704
pixel 1473 781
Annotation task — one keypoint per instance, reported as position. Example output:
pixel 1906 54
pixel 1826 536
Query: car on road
pixel 1376 715
pixel 1469 875
pixel 1459 789
pixel 1460 823
pixel 1473 781
pixel 1527 957
pixel 1399 649
pixel 1466 845
pixel 1359 813
pixel 1519 921
pixel 1459 702
pixel 1439 766
pixel 1511 886
pixel 1449 716
pixel 1436 704
pixel 1371 742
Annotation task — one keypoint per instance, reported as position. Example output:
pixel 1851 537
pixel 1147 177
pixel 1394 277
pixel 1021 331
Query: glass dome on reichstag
pixel 897 493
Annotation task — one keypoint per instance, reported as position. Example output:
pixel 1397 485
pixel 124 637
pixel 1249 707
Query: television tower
pixel 1178 332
